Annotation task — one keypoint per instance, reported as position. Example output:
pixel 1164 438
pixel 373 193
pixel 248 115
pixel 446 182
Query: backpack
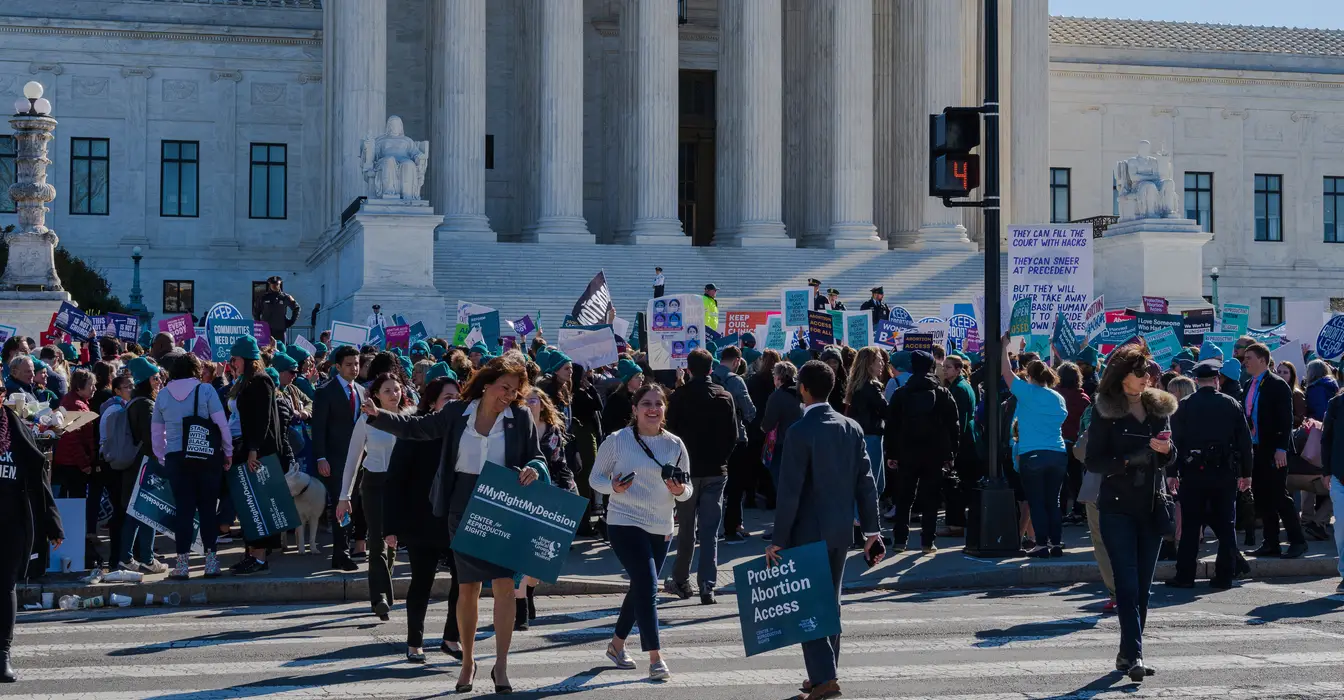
pixel 118 448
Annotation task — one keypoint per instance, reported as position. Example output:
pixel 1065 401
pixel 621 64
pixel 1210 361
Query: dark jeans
pixel 1133 545
pixel 916 484
pixel 340 536
pixel 380 558
pixel 424 565
pixel 642 554
pixel 1272 502
pixel 699 518
pixel 131 539
pixel 1209 504
pixel 10 566
pixel 822 656
pixel 740 474
pixel 1042 478
pixel 196 490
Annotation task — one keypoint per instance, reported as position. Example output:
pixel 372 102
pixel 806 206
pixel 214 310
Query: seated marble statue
pixel 1146 187
pixel 393 164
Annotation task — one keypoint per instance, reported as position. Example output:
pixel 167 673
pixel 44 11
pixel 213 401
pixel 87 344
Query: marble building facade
pixel 774 123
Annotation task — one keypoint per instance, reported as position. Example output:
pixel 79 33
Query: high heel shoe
pixel 466 687
pixel 500 689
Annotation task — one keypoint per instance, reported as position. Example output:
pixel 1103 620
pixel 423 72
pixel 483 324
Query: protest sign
pixel 788 603
pixel 1154 305
pixel 488 322
pixel 1289 352
pixel 958 328
pixel 348 334
pixel 620 326
pixel 935 327
pixel 918 341
pixel 72 512
pixel 1148 323
pixel 473 337
pixel 743 321
pixel 887 334
pixel 1020 325
pixel 774 333
pixel 1119 331
pixel 593 306
pixel 1164 346
pixel 527 529
pixel 858 329
pixel 1094 320
pixel 262 332
pixel 126 327
pixel 1302 321
pixel 1053 264
pixel 398 337
pixel 377 337
pixel 730 339
pixel 794 304
pixel 465 309
pixel 225 311
pixel 1226 342
pixel 261 498
pixel 592 347
pixel 1236 319
pixel 7 332
pixel 73 321
pixel 223 333
pixel 152 501
pixel 638 331
pixel 1195 323
pixel 673 329
pixel 1330 341
pixel 820 329
pixel 901 317
pixel 524 325
pixel 460 334
pixel 180 327
pixel 1064 339
pixel 101 327
pixel 418 333
pixel 200 347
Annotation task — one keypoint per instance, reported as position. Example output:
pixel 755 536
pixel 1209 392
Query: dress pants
pixel 822 656
pixel 1133 544
pixel 424 565
pixel 1205 501
pixel 10 567
pixel 1272 502
pixel 340 536
pixel 380 558
pixel 740 473
pixel 916 484
pixel 699 517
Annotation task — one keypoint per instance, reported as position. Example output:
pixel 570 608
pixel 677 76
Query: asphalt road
pixel 1260 641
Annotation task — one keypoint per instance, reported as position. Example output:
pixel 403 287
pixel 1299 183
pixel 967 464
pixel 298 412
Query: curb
pixel 354 587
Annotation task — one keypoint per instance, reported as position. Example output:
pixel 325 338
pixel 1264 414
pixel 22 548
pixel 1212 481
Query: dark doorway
pixel 695 156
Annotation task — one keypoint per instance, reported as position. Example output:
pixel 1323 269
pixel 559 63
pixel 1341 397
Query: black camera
pixel 671 472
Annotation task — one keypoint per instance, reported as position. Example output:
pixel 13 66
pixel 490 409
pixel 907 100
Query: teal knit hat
pixel 397 352
pixel 297 353
pixel 284 363
pixel 406 364
pixel 142 369
pixel 280 347
pixel 320 348
pixel 420 348
pixel 553 360
pixel 437 351
pixel 626 369
pixel 479 347
pixel 440 369
pixel 274 375
pixel 69 351
pixel 38 364
pixel 246 348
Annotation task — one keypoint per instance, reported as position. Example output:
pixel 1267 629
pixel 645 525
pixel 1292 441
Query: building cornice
pixel 152 31
pixel 608 27
pixel 1205 76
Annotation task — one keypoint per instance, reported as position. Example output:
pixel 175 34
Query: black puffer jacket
pixel 922 429
pixel 1118 449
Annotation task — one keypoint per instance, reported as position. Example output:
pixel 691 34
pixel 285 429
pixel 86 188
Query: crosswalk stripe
pixel 1078 639
pixel 1040 668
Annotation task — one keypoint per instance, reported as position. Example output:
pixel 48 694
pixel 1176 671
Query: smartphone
pixel 345 520
pixel 626 479
pixel 878 548
pixel 1164 435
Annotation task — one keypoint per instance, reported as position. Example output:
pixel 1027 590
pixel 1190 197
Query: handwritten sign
pixel 1052 264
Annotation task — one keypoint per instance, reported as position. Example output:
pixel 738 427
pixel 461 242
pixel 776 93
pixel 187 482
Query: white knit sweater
pixel 647 504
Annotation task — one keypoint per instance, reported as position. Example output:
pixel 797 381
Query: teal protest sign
pixel 1039 343
pixel 789 603
pixel 1148 323
pixel 262 498
pixel 858 329
pixel 1020 325
pixel 377 337
pixel 1225 342
pixel 1236 319
pixel 527 529
pixel 488 322
pixel 418 332
pixel 1065 340
pixel 795 303
pixel 1164 346
pixel 774 333
pixel 152 501
pixel 223 333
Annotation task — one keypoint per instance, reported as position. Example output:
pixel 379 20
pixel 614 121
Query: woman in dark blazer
pixel 488 424
pixel 27 512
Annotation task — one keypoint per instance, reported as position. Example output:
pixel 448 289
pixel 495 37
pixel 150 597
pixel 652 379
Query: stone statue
pixel 1146 187
pixel 393 164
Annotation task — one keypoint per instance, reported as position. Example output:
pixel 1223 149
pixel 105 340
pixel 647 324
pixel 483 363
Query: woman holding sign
pixel 489 424
pixel 642 469
pixel 255 427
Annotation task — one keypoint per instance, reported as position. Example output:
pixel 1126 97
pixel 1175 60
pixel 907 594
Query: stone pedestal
pixel 385 255
pixel 1151 257
pixel 30 312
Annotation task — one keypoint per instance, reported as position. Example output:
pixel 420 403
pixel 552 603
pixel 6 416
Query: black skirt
pixel 469 568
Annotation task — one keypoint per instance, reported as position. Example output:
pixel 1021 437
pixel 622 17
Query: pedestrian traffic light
pixel 953 170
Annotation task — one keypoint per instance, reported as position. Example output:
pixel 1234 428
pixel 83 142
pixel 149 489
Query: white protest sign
pixel 590 348
pixel 620 326
pixel 934 326
pixel 343 333
pixel 308 347
pixel 1053 264
pixel 466 309
pixel 676 325
pixel 474 336
pixel 1302 322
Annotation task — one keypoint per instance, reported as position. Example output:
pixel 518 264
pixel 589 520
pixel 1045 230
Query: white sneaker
pixel 623 660
pixel 154 566
pixel 658 671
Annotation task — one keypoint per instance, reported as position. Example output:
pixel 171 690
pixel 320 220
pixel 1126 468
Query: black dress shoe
pixel 500 689
pixel 531 603
pixel 520 615
pixel 1179 583
pixel 1220 584
pixel 1295 551
pixel 456 654
pixel 6 671
pixel 344 564
pixel 381 608
pixel 1243 567
pixel 707 598
pixel 1267 550
pixel 415 657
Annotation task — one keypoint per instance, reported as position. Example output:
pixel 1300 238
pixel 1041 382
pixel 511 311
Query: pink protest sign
pixel 398 336
pixel 182 328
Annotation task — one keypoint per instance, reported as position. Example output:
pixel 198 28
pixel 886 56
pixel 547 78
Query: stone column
pixel 851 223
pixel 361 96
pixel 457 144
pixel 816 134
pixel 1030 112
pixel 909 127
pixel 728 160
pixel 757 105
pixel 655 121
pixel 943 76
pixel 561 93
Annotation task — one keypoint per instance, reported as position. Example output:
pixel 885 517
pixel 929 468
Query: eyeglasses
pixel 533 401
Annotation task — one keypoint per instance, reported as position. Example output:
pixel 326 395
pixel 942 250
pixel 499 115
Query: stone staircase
pixel 527 278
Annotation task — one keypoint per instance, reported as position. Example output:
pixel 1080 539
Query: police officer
pixel 1213 461
pixel 833 298
pixel 881 311
pixel 819 300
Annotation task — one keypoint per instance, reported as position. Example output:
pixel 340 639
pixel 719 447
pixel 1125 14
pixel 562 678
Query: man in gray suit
pixel 823 472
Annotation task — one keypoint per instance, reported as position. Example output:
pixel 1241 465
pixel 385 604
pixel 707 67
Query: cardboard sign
pixel 1053 264
pixel 795 303
pixel 223 334
pixel 1154 305
pixel 348 334
pixel 182 328
pixel 307 346
pixel 744 321
pixel 935 327
pixel 858 329
pixel 1195 323
pixel 465 309
pixel 788 603
pixel 527 529
pixel 820 329
pixel 262 498
pixel 1330 341
pixel 73 321
pixel 72 514
pixel 591 347
pixel 399 337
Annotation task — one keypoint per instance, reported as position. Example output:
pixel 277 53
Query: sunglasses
pixel 534 401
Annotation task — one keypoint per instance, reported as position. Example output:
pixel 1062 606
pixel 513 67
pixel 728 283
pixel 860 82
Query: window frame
pixel 252 181
pixel 1338 200
pixel 164 162
pixel 1268 305
pixel 259 289
pixel 90 159
pixel 1067 187
pixel 1267 192
pixel 189 284
pixel 10 154
pixel 1197 190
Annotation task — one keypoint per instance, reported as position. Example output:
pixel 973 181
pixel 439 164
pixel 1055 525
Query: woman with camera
pixel 643 470
pixel 1129 445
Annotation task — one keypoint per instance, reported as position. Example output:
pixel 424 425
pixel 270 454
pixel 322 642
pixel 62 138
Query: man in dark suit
pixel 1269 412
pixel 335 410
pixel 823 472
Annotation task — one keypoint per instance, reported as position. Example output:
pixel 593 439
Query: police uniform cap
pixel 1207 369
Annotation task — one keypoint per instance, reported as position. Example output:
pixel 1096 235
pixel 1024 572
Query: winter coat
pixel 40 518
pixel 1076 401
pixel 922 428
pixel 79 448
pixel 702 414
pixel 746 410
pixel 869 409
pixel 1319 395
pixel 277 310
pixel 407 511
pixel 1118 449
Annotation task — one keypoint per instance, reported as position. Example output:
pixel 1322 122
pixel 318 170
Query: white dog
pixel 310 499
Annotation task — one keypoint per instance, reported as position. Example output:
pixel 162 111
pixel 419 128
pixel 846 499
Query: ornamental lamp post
pixel 137 306
pixel 1217 309
pixel 32 264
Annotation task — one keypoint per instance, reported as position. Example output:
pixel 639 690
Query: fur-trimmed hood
pixel 1156 403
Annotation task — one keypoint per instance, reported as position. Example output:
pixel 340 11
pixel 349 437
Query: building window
pixel 179 297
pixel 258 291
pixel 1271 311
pixel 88 176
pixel 1059 196
pixel 489 151
pixel 1199 199
pixel 8 151
pixel 1334 209
pixel 268 181
pixel 179 185
pixel 1269 207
